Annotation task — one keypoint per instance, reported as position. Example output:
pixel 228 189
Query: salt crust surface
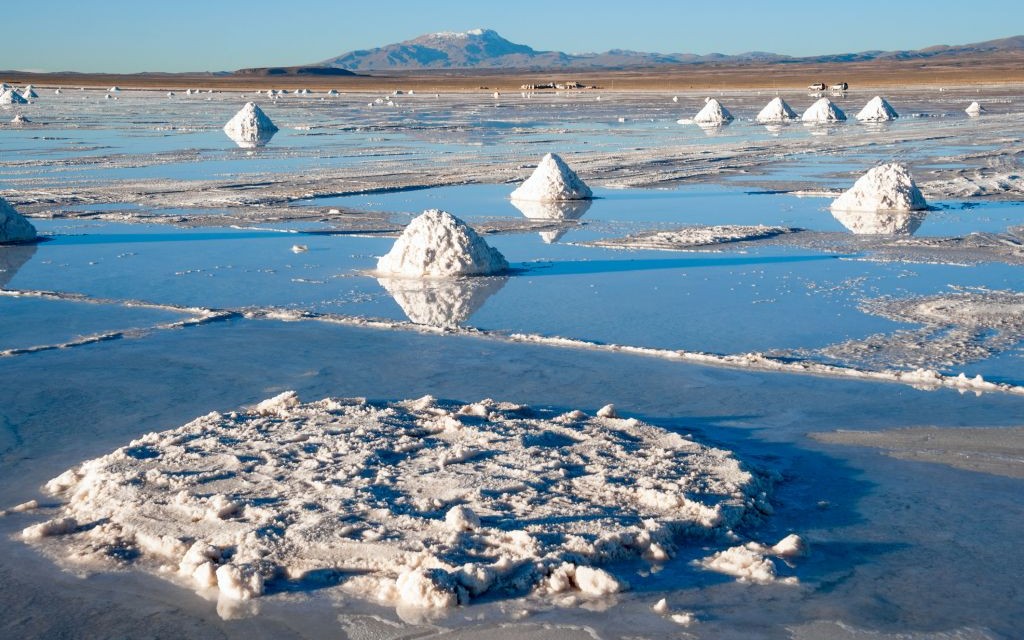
pixel 778 110
pixel 824 110
pixel 552 181
pixel 887 187
pixel 954 329
pixel 877 109
pixel 250 126
pixel 712 113
pixel 695 236
pixel 419 503
pixel 14 227
pixel 436 244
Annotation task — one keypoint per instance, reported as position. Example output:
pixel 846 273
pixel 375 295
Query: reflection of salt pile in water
pixel 10 96
pixel 465 500
pixel 13 226
pixel 877 109
pixel 551 181
pixel 776 111
pixel 561 210
pixel 436 244
pixel 880 222
pixel 250 127
pixel 445 303
pixel 12 257
pixel 974 110
pixel 713 114
pixel 823 111
pixel 888 196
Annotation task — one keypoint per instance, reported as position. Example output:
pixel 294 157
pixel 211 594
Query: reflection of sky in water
pixel 763 299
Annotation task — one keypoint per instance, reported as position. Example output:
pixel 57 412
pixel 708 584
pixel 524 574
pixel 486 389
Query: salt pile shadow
pixel 446 303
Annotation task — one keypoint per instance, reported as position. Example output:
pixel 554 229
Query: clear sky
pixel 215 35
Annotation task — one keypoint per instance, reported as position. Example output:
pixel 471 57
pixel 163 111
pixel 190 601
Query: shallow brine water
pixel 111 330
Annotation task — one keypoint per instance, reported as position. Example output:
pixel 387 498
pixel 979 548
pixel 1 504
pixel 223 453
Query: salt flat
pixel 706 291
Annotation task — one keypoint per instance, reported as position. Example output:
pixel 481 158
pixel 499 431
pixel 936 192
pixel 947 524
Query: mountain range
pixel 486 49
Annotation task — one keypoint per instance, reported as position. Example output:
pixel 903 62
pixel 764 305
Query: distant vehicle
pixel 817 86
pixel 842 86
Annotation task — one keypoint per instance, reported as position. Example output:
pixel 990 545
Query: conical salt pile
pixel 974 110
pixel 552 180
pixel 776 111
pixel 888 187
pixel 250 126
pixel 877 109
pixel 13 226
pixel 823 111
pixel 20 119
pixel 29 93
pixel 713 113
pixel 10 96
pixel 436 244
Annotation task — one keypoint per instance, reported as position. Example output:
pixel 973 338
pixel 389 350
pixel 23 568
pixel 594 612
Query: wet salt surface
pixel 873 544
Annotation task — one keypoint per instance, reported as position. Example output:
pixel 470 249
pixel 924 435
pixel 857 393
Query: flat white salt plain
pixel 417 504
pixel 870 544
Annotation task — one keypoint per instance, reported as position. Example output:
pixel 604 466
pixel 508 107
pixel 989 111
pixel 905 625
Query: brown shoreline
pixel 1007 68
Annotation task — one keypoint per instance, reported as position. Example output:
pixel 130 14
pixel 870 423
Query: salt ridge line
pixel 924 379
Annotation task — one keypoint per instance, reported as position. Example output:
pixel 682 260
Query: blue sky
pixel 212 35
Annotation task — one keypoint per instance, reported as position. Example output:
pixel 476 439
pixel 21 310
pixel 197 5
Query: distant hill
pixel 295 71
pixel 486 49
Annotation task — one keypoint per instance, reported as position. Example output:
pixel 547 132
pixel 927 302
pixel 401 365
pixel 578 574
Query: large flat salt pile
pixel 776 111
pixel 552 181
pixel 436 244
pixel 877 109
pixel 417 503
pixel 888 187
pixel 250 126
pixel 13 226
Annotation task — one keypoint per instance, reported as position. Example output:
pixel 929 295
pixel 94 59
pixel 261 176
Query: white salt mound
pixel 877 109
pixel 13 226
pixel 391 493
pixel 823 111
pixel 29 93
pixel 551 181
pixel 974 110
pixel 713 113
pixel 20 119
pixel 436 244
pixel 888 187
pixel 250 125
pixel 776 111
pixel 10 96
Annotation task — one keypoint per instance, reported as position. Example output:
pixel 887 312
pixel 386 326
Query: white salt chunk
pixel 14 227
pixel 888 187
pixel 436 244
pixel 551 181
pixel 713 113
pixel 776 111
pixel 462 518
pixel 250 126
pixel 877 109
pixel 823 111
